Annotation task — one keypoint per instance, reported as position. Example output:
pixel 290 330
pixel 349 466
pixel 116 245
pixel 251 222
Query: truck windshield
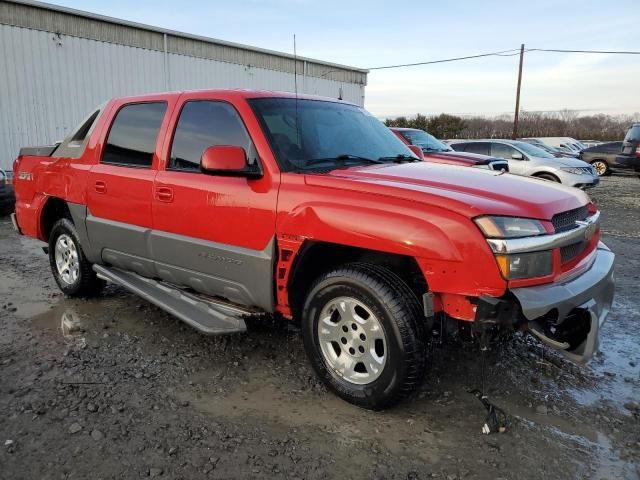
pixel 424 140
pixel 319 135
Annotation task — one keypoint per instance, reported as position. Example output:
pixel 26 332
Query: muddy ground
pixel 115 388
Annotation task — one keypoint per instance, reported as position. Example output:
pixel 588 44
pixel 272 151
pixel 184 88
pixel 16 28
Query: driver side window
pixel 500 150
pixel 203 124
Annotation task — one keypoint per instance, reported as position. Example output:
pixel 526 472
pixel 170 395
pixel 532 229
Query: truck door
pixel 120 187
pixel 214 233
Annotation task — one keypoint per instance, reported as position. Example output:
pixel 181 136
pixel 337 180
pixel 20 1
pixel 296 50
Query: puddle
pixel 618 347
pixel 92 320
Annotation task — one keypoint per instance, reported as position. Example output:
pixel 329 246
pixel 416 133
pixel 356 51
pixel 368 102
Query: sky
pixel 375 33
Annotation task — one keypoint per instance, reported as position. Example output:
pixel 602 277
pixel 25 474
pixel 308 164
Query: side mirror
pixel 417 150
pixel 228 160
pixel 517 156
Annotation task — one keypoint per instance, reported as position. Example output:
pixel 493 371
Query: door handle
pixel 100 187
pixel 164 194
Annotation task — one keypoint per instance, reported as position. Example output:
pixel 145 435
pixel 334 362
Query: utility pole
pixel 517 113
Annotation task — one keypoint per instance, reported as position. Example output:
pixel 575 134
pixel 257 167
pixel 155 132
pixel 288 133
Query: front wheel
pixel 363 332
pixel 548 176
pixel 72 271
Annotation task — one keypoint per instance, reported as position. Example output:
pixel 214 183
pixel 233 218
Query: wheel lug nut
pixel 361 349
pixel 352 351
pixel 354 326
pixel 343 340
pixel 363 337
pixel 345 328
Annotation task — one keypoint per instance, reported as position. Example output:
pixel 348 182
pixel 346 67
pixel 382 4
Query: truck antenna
pixel 295 86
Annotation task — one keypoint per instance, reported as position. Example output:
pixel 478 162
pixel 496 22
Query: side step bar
pixel 210 316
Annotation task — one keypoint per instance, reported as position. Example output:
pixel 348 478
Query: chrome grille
pixel 567 220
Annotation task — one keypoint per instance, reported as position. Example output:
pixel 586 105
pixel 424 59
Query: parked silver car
pixel 529 160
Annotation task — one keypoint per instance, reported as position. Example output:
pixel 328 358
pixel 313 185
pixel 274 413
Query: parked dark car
pixel 629 156
pixel 7 195
pixel 602 157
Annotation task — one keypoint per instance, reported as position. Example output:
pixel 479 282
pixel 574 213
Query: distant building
pixel 57 63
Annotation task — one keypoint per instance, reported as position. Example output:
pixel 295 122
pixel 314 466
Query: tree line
pixel 566 123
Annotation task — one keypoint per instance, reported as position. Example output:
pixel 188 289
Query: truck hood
pixel 468 191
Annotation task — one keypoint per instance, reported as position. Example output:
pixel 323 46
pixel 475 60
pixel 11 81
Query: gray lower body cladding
pixel 584 301
pixel 241 275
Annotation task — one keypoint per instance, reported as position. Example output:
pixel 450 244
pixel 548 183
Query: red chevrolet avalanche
pixel 222 205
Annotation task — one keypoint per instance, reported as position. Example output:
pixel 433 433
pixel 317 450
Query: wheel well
pixel 543 174
pixel 316 258
pixel 53 210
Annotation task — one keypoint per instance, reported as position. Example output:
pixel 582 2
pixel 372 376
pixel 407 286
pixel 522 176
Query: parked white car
pixel 529 160
pixel 568 143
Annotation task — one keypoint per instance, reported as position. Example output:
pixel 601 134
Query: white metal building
pixel 56 64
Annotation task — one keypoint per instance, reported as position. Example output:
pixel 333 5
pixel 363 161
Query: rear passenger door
pixel 120 187
pixel 481 148
pixel 214 233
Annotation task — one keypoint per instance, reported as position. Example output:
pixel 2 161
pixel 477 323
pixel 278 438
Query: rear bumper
pixel 627 161
pixel 586 299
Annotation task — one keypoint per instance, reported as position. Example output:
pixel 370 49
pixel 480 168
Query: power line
pixel 492 54
pixel 504 53
pixel 627 52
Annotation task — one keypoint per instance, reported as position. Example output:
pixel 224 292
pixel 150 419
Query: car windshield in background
pixel 315 134
pixel 633 135
pixel 532 150
pixel 425 141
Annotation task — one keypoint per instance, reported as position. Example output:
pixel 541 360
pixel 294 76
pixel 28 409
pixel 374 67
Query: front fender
pixel 452 253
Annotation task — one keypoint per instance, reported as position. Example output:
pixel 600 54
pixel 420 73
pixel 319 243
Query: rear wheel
pixel 72 271
pixel 364 335
pixel 601 167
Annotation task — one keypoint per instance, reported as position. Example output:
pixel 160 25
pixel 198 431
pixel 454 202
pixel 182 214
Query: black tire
pixel 7 201
pixel 602 167
pixel 87 284
pixel 399 314
pixel 548 176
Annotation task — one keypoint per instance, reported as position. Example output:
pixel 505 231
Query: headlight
pixel 577 170
pixel 525 265
pixel 509 227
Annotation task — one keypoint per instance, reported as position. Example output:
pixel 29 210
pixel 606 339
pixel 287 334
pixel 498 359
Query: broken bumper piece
pixel 568 315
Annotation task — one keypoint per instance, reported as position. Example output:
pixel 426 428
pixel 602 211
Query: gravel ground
pixel 115 388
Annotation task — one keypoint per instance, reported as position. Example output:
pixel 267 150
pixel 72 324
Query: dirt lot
pixel 115 388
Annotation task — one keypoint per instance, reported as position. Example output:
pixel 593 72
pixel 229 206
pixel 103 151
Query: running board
pixel 210 316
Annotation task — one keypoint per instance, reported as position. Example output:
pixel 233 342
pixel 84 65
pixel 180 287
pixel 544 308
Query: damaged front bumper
pixel 568 315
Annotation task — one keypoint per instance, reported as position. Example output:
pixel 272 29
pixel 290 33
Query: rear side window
pixel 203 124
pixel 133 135
pixel 481 147
pixel 633 135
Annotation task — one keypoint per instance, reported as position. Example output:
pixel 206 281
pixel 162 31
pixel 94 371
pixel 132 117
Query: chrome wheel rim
pixel 600 167
pixel 352 340
pixel 66 256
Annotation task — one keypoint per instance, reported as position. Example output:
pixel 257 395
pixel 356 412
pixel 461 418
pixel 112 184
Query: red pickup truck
pixel 225 204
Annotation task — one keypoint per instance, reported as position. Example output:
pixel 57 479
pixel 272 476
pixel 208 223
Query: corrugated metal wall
pixel 48 83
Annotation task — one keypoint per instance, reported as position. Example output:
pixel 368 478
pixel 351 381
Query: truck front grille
pixel 565 221
pixel 570 252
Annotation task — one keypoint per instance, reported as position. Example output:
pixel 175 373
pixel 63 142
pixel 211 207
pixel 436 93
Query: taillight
pixel 638 151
